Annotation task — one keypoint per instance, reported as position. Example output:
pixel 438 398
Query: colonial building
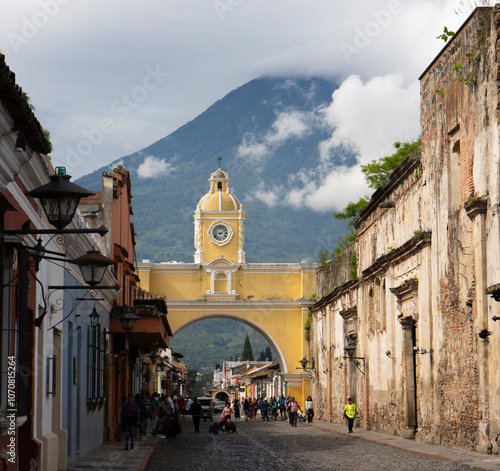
pixel 273 298
pixel 411 335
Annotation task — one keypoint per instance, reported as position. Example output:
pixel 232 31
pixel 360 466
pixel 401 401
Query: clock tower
pixel 218 224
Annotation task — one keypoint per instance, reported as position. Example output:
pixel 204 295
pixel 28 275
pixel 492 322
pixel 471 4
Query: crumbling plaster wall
pixel 429 251
pixel 459 148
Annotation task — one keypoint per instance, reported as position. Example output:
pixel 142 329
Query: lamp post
pixel 59 199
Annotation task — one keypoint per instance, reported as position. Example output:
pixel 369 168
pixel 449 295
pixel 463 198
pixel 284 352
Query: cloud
pixel 152 167
pixel 369 117
pixel 365 118
pixel 287 125
pixel 207 53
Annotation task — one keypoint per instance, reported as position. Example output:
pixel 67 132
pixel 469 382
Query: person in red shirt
pixel 181 403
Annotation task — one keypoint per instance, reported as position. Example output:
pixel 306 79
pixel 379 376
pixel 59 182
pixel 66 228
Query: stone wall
pixel 427 250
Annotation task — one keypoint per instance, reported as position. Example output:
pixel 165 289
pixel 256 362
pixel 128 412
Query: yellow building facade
pixel 272 298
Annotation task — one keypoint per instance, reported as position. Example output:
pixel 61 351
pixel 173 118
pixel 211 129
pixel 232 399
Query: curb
pixel 423 453
pixel 148 457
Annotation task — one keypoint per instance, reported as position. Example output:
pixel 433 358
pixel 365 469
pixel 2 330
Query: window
pixel 95 363
pixel 454 185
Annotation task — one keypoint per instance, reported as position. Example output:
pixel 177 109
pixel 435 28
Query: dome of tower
pixel 219 197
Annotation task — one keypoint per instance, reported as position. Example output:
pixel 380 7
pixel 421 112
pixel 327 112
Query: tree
pixel 378 172
pixel 247 350
pixel 262 356
pixel 269 353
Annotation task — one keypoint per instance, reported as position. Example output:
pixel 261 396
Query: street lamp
pixel 59 198
pixel 304 362
pixel 94 318
pixel 128 318
pixel 93 266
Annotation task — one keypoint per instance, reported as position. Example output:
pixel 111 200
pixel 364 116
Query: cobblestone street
pixel 277 446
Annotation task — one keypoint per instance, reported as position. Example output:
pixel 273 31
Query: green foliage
pixel 352 210
pixel 266 355
pixel 353 266
pixel 209 342
pixel 378 172
pixel 447 34
pixel 247 354
pixel 164 207
pixel 46 135
pixel 307 326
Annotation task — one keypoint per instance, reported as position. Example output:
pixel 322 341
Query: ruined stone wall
pixel 427 248
pixel 457 127
pixel 335 273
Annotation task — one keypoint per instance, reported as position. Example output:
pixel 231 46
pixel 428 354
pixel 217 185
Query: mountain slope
pixel 267 133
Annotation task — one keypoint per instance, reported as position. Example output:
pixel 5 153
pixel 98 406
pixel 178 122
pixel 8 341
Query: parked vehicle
pixel 219 406
pixel 207 407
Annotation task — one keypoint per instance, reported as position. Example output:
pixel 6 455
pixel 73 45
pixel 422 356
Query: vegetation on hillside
pixel 207 343
pixel 164 206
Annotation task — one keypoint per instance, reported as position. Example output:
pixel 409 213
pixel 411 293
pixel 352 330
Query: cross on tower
pixel 219 159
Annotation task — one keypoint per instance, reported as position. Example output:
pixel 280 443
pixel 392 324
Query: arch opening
pixel 273 344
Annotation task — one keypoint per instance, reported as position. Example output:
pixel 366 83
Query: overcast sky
pixel 110 77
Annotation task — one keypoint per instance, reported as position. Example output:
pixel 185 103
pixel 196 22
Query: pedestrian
pixel 282 407
pixel 246 409
pixel 195 410
pixel 309 409
pixel 236 407
pixel 350 414
pixel 145 414
pixel 181 402
pixel 253 409
pixel 265 410
pixel 154 407
pixel 274 408
pixel 294 407
pixel 130 420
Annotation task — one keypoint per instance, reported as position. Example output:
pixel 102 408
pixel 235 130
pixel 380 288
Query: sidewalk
pixel 463 458
pixel 112 457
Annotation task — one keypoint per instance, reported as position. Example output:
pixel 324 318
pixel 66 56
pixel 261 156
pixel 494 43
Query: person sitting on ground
pixel 230 426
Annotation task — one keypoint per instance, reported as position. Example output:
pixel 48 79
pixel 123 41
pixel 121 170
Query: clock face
pixel 220 232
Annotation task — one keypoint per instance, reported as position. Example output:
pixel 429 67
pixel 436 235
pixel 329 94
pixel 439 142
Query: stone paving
pixel 260 446
pixel 277 446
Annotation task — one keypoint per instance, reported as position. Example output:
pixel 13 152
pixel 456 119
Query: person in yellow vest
pixel 350 414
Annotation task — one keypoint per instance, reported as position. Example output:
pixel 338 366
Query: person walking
pixel 274 408
pixel 294 408
pixel 350 414
pixel 282 407
pixel 236 407
pixel 246 409
pixel 195 410
pixel 130 420
pixel 264 412
pixel 309 409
